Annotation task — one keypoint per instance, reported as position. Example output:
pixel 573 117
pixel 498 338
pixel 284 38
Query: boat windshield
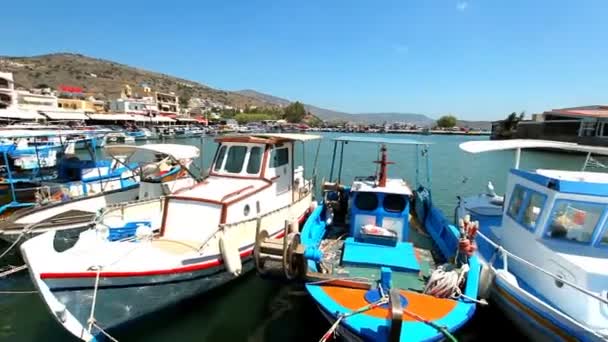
pixel 574 220
pixel 239 159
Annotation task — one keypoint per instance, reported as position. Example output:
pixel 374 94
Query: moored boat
pixel 379 259
pixel 120 182
pixel 182 245
pixel 547 251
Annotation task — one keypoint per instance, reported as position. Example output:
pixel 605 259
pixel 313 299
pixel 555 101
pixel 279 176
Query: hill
pixel 106 79
pixel 332 115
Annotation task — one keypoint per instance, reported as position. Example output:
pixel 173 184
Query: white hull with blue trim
pixel 548 253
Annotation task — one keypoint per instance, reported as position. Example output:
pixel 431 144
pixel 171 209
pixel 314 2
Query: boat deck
pixel 332 247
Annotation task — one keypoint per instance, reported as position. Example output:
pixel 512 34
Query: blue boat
pixel 32 176
pixel 380 260
pixel 544 244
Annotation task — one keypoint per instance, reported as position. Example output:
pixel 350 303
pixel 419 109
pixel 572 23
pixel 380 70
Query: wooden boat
pixel 177 246
pixel 379 259
pixel 545 253
pixel 79 201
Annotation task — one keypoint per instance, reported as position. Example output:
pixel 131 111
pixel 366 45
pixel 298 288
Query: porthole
pixel 246 210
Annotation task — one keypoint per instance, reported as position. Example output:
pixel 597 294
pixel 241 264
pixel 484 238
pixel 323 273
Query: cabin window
pixel 517 198
pixel 255 160
pixel 604 238
pixel 235 159
pixel 220 158
pixel 279 157
pixel 394 203
pixel 366 201
pixel 574 220
pixel 533 209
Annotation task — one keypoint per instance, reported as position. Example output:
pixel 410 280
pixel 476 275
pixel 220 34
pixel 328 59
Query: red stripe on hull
pixel 191 268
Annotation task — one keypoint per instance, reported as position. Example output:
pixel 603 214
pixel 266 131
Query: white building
pixel 143 106
pixel 7 90
pixel 167 104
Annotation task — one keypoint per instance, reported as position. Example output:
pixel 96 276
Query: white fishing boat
pixel 75 212
pixel 546 254
pixel 180 245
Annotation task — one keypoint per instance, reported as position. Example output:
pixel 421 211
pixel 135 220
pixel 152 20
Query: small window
pixel 235 159
pixel 394 203
pixel 279 157
pixel 517 198
pixel 220 158
pixel 533 210
pixel 574 221
pixel 255 160
pixel 366 201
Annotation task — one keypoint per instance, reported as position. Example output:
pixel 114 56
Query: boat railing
pixel 506 255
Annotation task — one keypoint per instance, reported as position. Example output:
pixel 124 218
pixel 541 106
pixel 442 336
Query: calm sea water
pixel 252 309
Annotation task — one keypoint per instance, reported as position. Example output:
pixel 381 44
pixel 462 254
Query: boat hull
pixel 121 300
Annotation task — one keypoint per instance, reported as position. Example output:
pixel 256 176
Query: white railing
pixel 506 255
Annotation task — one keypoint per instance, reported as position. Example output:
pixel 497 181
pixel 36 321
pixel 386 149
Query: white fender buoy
pixel 231 256
pixel 486 281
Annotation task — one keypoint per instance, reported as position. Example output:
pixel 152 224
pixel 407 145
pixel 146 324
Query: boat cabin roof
pixel 480 146
pixel 573 182
pixel 393 186
pixel 267 138
pixel 380 140
pixel 174 150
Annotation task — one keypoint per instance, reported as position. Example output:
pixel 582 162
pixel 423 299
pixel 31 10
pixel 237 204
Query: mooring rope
pixel 92 321
pixel 332 329
pixel 12 269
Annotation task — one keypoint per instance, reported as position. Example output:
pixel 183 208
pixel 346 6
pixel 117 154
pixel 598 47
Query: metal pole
pixel 428 166
pixel 586 161
pixel 341 161
pixel 333 161
pixel 417 167
pixel 517 157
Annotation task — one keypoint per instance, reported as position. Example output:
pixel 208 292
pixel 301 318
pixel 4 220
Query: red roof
pixel 599 112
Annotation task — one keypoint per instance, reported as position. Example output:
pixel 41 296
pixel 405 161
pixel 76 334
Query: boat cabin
pixel 559 219
pixel 387 207
pixel 250 176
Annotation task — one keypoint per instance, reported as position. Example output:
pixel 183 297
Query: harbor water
pixel 253 309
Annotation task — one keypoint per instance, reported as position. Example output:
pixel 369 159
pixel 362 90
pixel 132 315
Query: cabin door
pixel 279 167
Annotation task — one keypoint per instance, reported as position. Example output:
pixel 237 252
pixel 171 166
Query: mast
pixel 382 173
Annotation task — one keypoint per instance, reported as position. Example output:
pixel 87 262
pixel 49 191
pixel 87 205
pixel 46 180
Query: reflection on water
pixel 252 309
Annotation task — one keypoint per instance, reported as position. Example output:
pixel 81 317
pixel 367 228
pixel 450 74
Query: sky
pixel 476 59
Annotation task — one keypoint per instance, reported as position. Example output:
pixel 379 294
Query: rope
pixel 24 231
pixel 12 269
pixel 332 329
pixel 104 332
pixel 17 292
pixel 440 328
pixel 91 319
pixel 445 283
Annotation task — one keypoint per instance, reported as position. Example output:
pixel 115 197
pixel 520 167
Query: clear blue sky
pixel 476 59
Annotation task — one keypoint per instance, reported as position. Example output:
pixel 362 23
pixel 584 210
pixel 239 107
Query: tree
pixel 447 121
pixel 295 112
